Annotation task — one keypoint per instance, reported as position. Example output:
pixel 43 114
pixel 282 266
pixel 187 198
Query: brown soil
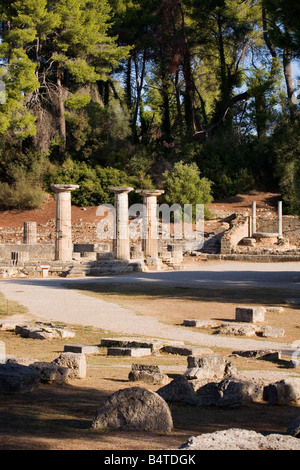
pixel 84 219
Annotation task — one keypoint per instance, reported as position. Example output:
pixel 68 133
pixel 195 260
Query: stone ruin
pixel 65 258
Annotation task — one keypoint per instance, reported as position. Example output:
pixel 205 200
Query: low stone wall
pixel 27 252
pixel 290 227
pixel 239 229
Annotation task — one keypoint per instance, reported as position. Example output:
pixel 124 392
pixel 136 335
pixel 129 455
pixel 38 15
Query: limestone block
pixel 133 352
pixel 51 373
pixel 271 332
pixel 200 323
pixel 237 329
pixel 185 350
pixel 147 373
pixel 134 409
pixel 81 349
pixel 284 392
pixel 16 378
pixel 250 314
pixel 73 361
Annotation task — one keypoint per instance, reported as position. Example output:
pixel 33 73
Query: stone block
pixel 147 373
pixel 238 329
pixel 16 378
pixel 134 409
pixel 131 343
pixel 200 323
pixel 185 350
pixel 284 392
pixel 76 363
pixel 51 373
pixel 250 314
pixel 132 352
pixel 271 332
pixel 81 349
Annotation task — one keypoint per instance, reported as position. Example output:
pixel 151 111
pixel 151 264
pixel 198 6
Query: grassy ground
pixel 60 417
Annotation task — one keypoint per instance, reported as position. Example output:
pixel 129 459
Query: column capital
pixel 149 192
pixel 120 189
pixel 64 188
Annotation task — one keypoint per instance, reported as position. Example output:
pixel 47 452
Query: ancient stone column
pixel 280 218
pixel 63 241
pixel 150 222
pixel 29 233
pixel 121 234
pixel 253 218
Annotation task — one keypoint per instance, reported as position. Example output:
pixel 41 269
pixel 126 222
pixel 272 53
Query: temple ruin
pixel 125 240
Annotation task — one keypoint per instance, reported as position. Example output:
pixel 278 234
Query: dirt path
pixel 49 300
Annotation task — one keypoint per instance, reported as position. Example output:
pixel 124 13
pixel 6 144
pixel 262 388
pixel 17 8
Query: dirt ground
pixel 59 417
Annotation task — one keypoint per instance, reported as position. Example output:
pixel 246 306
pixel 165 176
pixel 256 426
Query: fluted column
pixel 150 222
pixel 63 241
pixel 121 237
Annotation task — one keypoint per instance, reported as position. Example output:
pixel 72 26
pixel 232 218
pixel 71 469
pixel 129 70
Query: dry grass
pixel 60 417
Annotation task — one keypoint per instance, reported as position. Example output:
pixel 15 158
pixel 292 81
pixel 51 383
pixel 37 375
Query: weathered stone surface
pixel 51 373
pixel 147 373
pixel 76 363
pixel 16 378
pixel 274 309
pixel 209 366
pixel 185 350
pixel 134 409
pixel 81 349
pixel 284 392
pixel 179 389
pixel 131 343
pixel 133 352
pixel 250 314
pixel 294 428
pixel 241 439
pixel 237 329
pixel 239 392
pixel 201 323
pixel 271 332
pixel 43 331
pixel 261 354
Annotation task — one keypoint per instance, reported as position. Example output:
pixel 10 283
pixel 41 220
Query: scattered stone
pixel 131 343
pixel 76 363
pixel 201 323
pixel 24 361
pixel 250 314
pixel 185 350
pixel 51 372
pixel 147 373
pixel 8 326
pixel 43 331
pixel 271 332
pixel 133 352
pixel 284 392
pixel 134 409
pixel 294 428
pixel 274 309
pixel 210 366
pixel 263 354
pixel 81 349
pixel 16 378
pixel 241 439
pixel 237 329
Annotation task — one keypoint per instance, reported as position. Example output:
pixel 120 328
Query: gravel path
pixel 49 300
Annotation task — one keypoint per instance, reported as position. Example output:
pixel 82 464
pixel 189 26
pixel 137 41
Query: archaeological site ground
pixel 213 332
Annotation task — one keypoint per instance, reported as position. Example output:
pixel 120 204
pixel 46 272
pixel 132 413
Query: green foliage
pixel 184 185
pixel 94 181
